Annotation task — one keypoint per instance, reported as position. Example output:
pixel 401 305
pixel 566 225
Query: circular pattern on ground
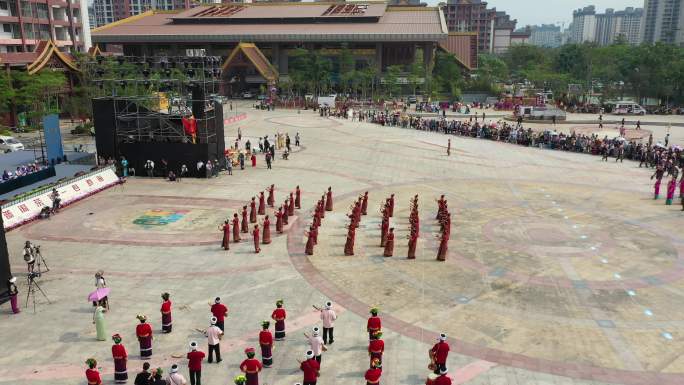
pixel 139 220
pixel 507 289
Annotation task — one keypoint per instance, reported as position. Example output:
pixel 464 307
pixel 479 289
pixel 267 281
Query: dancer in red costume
pixel 245 224
pixel 262 204
pixel 279 220
pixel 236 228
pixel 443 245
pixel 252 211
pixel 309 241
pixel 271 196
pixel 329 200
pixel 364 204
pixel 266 231
pixel 413 241
pixel 389 243
pixel 349 245
pixel 225 243
pixel 255 236
pixel 298 198
pixel 291 206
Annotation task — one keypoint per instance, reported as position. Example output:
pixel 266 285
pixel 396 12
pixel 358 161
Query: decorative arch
pixel 251 53
pixel 47 51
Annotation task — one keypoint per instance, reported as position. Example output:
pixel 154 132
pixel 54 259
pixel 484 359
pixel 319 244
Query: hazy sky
pixel 552 11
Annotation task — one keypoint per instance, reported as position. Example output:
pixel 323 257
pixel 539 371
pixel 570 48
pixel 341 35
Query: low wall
pixel 26 209
pixel 235 119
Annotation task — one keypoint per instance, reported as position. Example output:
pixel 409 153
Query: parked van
pixel 9 144
pixel 628 108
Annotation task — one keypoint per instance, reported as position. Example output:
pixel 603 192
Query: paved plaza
pixel 562 269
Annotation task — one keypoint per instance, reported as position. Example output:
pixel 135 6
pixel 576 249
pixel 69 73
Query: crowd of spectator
pixel 647 153
pixel 21 171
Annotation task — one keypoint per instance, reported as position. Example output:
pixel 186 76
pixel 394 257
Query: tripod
pixel 31 291
pixel 40 260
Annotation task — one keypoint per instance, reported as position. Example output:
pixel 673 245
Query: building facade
pixel 545 35
pixel 376 34
pixel 663 20
pixel 493 28
pixel 607 27
pixel 630 27
pixel 604 28
pixel 611 24
pixel 25 24
pixel 109 11
pixel 583 26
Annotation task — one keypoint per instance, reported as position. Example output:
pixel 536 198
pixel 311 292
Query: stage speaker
pixel 198 99
pixel 5 270
pixel 105 128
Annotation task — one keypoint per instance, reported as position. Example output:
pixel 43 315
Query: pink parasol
pixel 98 294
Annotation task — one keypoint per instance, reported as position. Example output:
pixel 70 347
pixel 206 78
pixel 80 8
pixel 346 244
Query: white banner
pixel 25 209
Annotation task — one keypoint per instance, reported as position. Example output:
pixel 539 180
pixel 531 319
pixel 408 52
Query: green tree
pixel 38 94
pixel 417 71
pixel 320 72
pixel 522 57
pixel 367 80
pixel 448 75
pixel 574 59
pixel 299 68
pixel 491 69
pixel 347 71
pixel 6 92
pixel 391 80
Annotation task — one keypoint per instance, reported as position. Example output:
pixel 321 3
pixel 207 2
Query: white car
pixel 247 95
pixel 9 144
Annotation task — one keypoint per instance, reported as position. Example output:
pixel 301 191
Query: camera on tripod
pixel 33 275
pixel 34 258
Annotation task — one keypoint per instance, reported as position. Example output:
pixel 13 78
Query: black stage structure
pixel 139 104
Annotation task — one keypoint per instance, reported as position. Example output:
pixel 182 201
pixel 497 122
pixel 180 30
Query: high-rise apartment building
pixel 23 24
pixel 663 21
pixel 473 16
pixel 604 28
pixel 630 27
pixel 583 26
pixel 108 11
pixel 611 24
pixel 607 26
pixel 545 35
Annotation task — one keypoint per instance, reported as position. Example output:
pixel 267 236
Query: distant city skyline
pixel 528 12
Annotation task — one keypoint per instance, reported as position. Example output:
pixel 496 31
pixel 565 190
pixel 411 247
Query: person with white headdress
pixel 214 334
pixel 195 358
pixel 328 317
pixel 311 369
pixel 439 353
pixel 175 378
pixel 316 343
pixel 13 293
